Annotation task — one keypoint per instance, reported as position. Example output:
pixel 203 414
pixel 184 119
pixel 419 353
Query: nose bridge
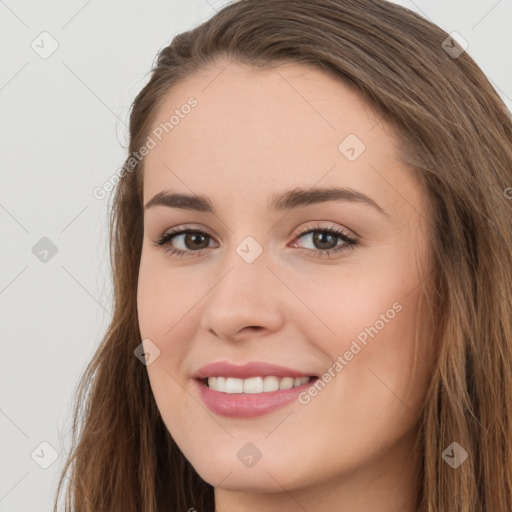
pixel 244 293
pixel 244 272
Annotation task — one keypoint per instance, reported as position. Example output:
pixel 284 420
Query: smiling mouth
pixel 254 385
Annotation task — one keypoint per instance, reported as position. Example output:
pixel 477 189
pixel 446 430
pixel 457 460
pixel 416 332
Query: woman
pixel 341 336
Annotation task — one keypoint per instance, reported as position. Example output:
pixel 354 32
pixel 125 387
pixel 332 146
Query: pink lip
pixel 245 405
pixel 252 369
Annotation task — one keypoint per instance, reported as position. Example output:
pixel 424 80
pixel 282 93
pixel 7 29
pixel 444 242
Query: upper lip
pixel 251 369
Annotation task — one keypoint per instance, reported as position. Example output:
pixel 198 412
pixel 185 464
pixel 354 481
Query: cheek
pixel 358 303
pixel 165 298
pixel 367 316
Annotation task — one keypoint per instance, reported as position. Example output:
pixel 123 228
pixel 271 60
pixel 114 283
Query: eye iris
pixel 191 237
pixel 319 239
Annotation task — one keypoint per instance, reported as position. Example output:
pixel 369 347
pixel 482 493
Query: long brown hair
pixel 455 132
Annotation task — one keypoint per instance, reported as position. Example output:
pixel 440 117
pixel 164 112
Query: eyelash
pixel 350 243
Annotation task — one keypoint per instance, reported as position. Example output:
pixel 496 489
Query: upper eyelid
pixel 311 226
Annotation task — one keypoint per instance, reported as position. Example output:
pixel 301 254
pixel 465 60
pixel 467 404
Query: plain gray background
pixel 63 127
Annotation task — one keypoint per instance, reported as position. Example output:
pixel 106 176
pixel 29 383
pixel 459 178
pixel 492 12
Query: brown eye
pixel 325 240
pixel 195 240
pixel 192 241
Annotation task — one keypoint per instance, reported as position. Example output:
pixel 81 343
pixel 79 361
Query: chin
pixel 245 479
pixel 224 469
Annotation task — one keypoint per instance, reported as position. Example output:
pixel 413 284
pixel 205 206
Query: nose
pixel 246 301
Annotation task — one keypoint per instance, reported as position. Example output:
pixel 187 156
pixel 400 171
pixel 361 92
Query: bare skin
pixel 255 134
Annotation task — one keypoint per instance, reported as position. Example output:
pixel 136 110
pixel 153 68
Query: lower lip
pixel 248 405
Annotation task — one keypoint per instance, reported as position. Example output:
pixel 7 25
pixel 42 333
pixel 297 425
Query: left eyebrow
pixel 289 200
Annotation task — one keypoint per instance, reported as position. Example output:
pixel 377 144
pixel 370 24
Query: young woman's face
pixel 257 286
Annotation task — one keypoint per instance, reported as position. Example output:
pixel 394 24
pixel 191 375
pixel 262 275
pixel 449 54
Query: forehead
pixel 267 129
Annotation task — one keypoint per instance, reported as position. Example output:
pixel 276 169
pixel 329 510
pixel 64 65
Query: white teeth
pixel 254 384
pixel 271 384
pixel 234 385
pixel 286 383
pixel 220 385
